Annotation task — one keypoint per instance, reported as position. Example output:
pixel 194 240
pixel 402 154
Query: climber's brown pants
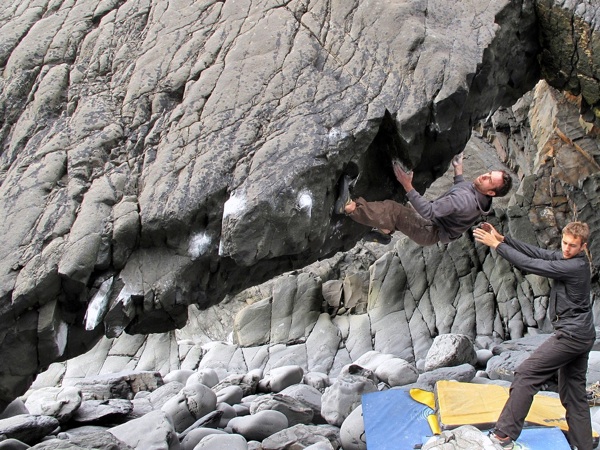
pixel 391 215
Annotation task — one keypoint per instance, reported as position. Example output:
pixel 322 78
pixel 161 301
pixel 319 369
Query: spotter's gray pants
pixel 569 357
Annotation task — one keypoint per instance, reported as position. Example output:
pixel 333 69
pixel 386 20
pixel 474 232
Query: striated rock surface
pixel 157 155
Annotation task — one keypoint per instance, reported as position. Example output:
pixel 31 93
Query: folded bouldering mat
pixel 394 420
pixel 480 405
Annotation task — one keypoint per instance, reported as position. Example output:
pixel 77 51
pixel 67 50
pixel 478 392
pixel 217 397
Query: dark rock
pixel 189 405
pixel 464 372
pixel 450 350
pixel 115 410
pixel 14 408
pixel 345 394
pixel 259 426
pixel 28 428
pixel 57 402
pixel 99 440
pixel 302 436
pixel 193 437
pixel 154 430
pixel 352 431
pixel 221 441
pixel 13 444
pixel 297 411
pixel 124 385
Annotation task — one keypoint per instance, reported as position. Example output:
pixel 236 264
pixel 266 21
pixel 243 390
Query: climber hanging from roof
pixel 427 222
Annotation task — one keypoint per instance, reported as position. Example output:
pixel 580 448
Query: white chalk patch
pixel 98 307
pixel 335 134
pixel 199 245
pixel 305 200
pixel 233 206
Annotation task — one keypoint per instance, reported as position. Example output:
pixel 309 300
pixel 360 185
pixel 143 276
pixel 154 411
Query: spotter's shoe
pixel 505 443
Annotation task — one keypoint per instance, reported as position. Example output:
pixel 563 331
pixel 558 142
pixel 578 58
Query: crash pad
pixel 543 438
pixel 394 420
pixel 480 405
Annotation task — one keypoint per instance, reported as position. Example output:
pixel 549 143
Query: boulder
pixel 296 411
pixel 230 395
pixel 193 437
pixel 190 404
pixel 228 413
pixel 61 403
pixel 259 426
pixel 28 428
pixel 503 366
pixel 154 430
pixel 247 382
pixel 222 441
pixel 116 385
pixel 180 375
pixel 352 431
pixel 397 372
pixel 207 377
pixel 317 380
pixel 14 408
pixel 100 440
pixel 309 395
pixel 13 444
pixel 162 394
pixel 450 350
pixel 464 372
pixel 281 377
pixel 344 395
pixel 115 410
pixel 303 436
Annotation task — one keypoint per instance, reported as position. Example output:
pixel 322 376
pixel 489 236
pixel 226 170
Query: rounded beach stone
pixel 230 395
pixel 193 437
pixel 397 372
pixel 59 402
pixel 352 431
pixel 153 430
pixel 190 404
pixel 228 414
pixel 318 380
pixel 14 408
pixel 259 426
pixel 13 444
pixel 343 396
pixel 282 377
pixel 222 441
pixel 207 377
pixel 180 375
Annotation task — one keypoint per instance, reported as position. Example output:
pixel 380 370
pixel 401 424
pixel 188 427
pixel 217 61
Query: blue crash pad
pixel 543 438
pixel 393 420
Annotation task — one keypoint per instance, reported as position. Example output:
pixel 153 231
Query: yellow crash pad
pixel 480 405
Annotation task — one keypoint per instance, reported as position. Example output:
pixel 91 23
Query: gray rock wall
pixel 396 299
pixel 157 155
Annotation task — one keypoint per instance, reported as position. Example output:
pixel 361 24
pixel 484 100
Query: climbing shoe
pixel 378 236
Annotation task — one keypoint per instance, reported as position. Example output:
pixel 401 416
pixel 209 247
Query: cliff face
pixel 161 154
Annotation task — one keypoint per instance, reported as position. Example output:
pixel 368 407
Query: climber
pixel 427 222
pixel 567 349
